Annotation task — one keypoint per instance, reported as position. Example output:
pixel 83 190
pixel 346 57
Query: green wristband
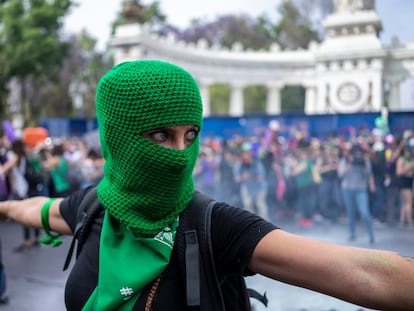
pixel 49 239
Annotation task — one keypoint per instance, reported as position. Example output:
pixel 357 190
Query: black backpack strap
pixel 89 209
pixel 192 268
pixel 202 285
pixel 203 208
pixel 256 295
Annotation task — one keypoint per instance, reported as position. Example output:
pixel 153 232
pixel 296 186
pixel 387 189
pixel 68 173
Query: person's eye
pixel 191 135
pixel 159 136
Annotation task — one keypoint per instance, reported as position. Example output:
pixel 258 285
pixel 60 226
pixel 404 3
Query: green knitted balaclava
pixel 146 186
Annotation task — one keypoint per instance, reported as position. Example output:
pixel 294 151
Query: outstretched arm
pixel 28 212
pixel 375 279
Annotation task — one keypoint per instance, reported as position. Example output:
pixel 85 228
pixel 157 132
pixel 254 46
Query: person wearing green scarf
pixel 150 116
pixel 145 185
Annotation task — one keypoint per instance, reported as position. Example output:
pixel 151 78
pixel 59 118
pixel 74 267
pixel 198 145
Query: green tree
pixel 134 12
pixel 87 67
pixel 294 30
pixel 255 99
pixel 227 30
pixel 293 98
pixel 30 42
pixel 3 85
pixel 219 99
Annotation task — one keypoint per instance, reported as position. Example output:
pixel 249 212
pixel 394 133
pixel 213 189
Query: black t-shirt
pixel 235 234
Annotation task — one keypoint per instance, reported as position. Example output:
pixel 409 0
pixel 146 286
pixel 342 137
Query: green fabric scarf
pixel 145 186
pixel 132 256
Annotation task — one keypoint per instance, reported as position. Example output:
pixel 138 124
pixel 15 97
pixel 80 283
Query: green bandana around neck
pixel 127 263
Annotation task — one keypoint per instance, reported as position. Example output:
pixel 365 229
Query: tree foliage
pixel 294 30
pixel 219 99
pixel 30 34
pixel 227 30
pixel 293 98
pixel 78 76
pixel 255 99
pixel 298 22
pixel 134 12
pixel 29 39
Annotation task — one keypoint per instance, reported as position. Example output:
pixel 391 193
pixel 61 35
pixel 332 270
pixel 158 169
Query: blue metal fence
pixel 320 126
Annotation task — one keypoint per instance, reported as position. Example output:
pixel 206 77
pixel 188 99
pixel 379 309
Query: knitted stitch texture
pixel 145 185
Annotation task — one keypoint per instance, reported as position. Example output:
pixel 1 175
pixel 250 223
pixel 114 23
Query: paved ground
pixel 36 281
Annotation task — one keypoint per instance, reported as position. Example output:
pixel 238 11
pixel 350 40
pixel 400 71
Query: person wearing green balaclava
pixel 149 116
pixel 145 186
pixel 153 183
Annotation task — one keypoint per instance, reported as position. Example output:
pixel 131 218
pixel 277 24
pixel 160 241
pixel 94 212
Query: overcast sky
pixel 97 15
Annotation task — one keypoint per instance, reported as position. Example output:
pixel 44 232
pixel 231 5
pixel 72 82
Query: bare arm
pixel 51 162
pixel 323 168
pixel 372 278
pixel 397 152
pixel 403 168
pixel 5 168
pixel 298 167
pixel 28 212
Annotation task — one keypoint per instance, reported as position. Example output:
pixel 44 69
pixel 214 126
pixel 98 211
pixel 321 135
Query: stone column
pixel 322 104
pixel 310 99
pixel 273 105
pixel 236 100
pixel 205 97
pixel 394 95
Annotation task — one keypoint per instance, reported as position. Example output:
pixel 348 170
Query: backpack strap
pixel 192 250
pixel 256 295
pixel 202 285
pixel 89 210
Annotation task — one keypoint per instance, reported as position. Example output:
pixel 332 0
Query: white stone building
pixel 347 72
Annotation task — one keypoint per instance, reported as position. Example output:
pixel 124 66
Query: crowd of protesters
pixel 367 175
pixel 43 167
pixel 53 168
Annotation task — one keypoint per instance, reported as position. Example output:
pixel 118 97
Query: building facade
pixel 349 71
